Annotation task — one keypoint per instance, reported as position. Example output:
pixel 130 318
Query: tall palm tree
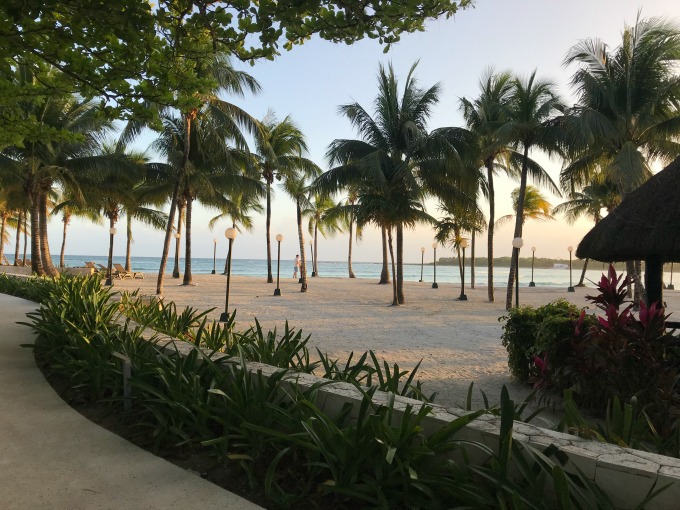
pixel 320 223
pixel 279 148
pixel 42 165
pixel 627 110
pixel 390 156
pixel 530 124
pixel 225 117
pixel 344 213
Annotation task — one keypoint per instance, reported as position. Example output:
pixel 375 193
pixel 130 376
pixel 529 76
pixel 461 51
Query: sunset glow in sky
pixel 311 81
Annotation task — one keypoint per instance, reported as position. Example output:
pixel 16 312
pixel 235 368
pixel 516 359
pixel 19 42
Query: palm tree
pixel 278 147
pixel 344 213
pixel 224 117
pixel 589 202
pixel 530 124
pixel 536 206
pixel 320 223
pixel 70 206
pixel 389 159
pixel 41 165
pixel 627 109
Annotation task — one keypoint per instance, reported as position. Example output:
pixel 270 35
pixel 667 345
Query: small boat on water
pixel 560 266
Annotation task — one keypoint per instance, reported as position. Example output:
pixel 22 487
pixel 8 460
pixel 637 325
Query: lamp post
pixel 277 290
pixel 670 285
pixel 175 271
pixel 311 249
pixel 533 257
pixel 214 254
pixel 230 234
pixel 422 261
pixel 434 283
pixel 109 280
pixel 571 287
pixel 517 243
pixel 463 297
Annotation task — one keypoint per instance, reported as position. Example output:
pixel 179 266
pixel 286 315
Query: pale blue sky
pixel 312 80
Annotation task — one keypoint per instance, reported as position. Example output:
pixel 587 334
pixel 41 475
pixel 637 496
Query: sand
pixel 459 341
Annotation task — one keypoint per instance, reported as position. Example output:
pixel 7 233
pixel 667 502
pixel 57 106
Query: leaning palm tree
pixel 320 223
pixel 69 206
pixel 278 148
pixel 589 203
pixel 530 124
pixel 389 158
pixel 226 117
pixel 627 113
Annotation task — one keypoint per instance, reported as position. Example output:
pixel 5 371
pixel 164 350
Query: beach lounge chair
pixel 122 273
pixel 104 270
pixel 92 266
pixel 4 261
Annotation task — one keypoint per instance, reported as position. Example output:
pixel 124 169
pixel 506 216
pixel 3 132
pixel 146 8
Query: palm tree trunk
pixel 109 262
pixel 128 242
pixel 315 262
pixel 66 220
pixel 519 223
pixel 395 296
pixel 2 236
pixel 178 235
pixel 46 256
pixel 187 242
pixel 20 222
pixel 583 274
pixel 385 273
pixel 472 261
pixel 301 239
pixel 36 259
pixel 270 277
pixel 630 270
pixel 25 237
pixel 492 219
pixel 173 203
pixel 639 293
pixel 400 263
pixel 349 252
pixel 166 241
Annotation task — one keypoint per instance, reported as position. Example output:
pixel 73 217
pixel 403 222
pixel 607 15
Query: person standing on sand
pixel 296 266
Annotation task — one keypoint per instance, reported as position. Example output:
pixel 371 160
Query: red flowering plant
pixel 621 355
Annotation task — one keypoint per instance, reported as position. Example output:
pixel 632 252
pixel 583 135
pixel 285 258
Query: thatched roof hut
pixel 645 226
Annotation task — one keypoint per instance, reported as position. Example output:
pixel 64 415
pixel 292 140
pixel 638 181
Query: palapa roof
pixel 647 222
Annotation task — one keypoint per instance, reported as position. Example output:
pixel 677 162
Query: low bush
pixel 372 455
pixel 530 332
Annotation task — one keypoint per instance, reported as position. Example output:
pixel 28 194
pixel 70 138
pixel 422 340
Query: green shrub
pixel 529 332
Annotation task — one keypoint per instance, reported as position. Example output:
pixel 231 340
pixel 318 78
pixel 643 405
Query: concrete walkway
pixel 53 458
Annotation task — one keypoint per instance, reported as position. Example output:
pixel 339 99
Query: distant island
pixel 539 263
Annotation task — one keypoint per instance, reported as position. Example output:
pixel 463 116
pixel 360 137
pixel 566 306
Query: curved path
pixel 53 458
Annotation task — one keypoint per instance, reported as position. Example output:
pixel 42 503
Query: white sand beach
pixel 459 341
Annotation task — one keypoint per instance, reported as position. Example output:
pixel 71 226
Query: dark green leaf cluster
pixel 366 455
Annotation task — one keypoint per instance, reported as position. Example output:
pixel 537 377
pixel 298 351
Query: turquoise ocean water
pixel 371 270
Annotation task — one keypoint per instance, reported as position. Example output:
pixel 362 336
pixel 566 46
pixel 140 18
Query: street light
pixel 517 243
pixel 463 297
pixel 434 283
pixel 230 234
pixel 311 249
pixel 533 256
pixel 109 280
pixel 175 271
pixel 422 260
pixel 571 287
pixel 277 290
pixel 214 254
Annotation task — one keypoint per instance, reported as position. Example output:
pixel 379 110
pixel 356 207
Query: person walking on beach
pixel 296 266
